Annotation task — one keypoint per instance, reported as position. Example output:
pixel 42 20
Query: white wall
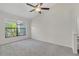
pixel 54 26
pixel 75 29
pixel 6 16
pixel 77 17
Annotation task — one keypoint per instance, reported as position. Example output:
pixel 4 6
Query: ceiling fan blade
pixel 45 8
pixel 30 5
pixel 32 10
pixel 41 4
pixel 37 5
pixel 40 12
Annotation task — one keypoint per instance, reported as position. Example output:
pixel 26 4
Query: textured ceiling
pixel 21 9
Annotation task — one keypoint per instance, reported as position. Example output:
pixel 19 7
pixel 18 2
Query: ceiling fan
pixel 37 7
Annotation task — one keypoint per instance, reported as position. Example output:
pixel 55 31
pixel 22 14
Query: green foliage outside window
pixel 12 29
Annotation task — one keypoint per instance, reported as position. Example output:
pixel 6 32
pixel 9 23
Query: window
pixel 13 29
pixel 21 30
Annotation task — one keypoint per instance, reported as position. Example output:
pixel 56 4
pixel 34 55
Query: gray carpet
pixel 32 47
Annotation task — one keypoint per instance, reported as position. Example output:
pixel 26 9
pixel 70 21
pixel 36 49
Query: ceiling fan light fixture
pixel 38 9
